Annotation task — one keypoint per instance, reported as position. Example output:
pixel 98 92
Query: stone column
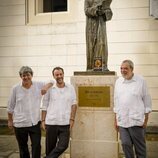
pixel 93 135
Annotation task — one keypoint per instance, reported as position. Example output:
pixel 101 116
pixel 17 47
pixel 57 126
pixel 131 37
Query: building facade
pixel 45 40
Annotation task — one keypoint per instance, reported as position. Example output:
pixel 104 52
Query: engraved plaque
pixel 94 96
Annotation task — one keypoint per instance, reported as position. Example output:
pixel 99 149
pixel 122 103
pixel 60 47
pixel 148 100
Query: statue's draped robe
pixel 96 38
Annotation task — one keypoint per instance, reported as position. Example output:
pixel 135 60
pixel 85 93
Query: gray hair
pixel 131 64
pixel 25 69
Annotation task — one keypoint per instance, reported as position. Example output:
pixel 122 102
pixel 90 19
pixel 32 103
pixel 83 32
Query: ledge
pixel 88 73
pixel 152 129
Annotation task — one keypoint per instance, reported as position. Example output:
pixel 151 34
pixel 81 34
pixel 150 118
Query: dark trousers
pixel 22 138
pixel 57 140
pixel 133 136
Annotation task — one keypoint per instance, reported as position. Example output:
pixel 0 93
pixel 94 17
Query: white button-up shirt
pixel 131 101
pixel 24 104
pixel 57 102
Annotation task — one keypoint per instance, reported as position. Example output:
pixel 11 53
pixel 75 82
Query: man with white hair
pixel 132 105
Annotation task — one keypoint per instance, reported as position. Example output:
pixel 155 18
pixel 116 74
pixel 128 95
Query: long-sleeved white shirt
pixel 57 102
pixel 24 104
pixel 131 101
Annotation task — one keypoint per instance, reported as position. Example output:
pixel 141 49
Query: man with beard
pixel 58 114
pixel 132 105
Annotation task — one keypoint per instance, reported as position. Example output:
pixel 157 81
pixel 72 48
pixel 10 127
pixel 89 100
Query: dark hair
pixel 57 68
pixel 25 69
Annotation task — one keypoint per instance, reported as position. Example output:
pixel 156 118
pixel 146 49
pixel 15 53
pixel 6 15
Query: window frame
pixel 51 6
pixel 34 18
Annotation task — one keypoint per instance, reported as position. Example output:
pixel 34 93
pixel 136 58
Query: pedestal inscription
pixel 94 96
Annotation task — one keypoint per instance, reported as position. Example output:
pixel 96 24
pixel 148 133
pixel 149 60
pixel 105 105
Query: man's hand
pixel 71 123
pixel 43 91
pixel 10 120
pixel 43 114
pixel 43 125
pixel 145 125
pixel 10 124
pixel 46 87
pixel 115 124
pixel 100 11
pixel 146 120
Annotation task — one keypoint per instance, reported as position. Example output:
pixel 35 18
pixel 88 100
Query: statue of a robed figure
pixel 97 13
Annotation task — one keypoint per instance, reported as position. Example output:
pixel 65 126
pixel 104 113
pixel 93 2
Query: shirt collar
pixel 133 79
pixel 55 85
pixel 21 83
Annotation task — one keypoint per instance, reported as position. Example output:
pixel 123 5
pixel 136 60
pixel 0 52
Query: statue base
pixel 94 135
pixel 89 73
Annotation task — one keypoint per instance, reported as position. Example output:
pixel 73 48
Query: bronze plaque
pixel 94 96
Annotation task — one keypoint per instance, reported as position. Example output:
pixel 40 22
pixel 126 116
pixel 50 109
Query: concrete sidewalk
pixel 9 147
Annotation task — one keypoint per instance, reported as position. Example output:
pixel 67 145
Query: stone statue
pixel 97 13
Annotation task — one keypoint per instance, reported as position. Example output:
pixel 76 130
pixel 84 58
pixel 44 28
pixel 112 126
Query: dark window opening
pixel 54 5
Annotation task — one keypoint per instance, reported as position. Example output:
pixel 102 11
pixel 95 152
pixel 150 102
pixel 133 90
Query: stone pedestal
pixel 93 135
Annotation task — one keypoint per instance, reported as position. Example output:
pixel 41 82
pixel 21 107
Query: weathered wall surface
pixel 132 34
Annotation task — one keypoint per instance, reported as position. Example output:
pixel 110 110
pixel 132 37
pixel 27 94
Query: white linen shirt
pixel 131 101
pixel 24 104
pixel 57 102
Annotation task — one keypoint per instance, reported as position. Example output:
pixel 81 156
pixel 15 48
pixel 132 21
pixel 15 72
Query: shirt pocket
pixel 19 97
pixel 136 90
pixel 36 93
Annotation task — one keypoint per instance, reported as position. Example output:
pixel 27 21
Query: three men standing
pixel 132 105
